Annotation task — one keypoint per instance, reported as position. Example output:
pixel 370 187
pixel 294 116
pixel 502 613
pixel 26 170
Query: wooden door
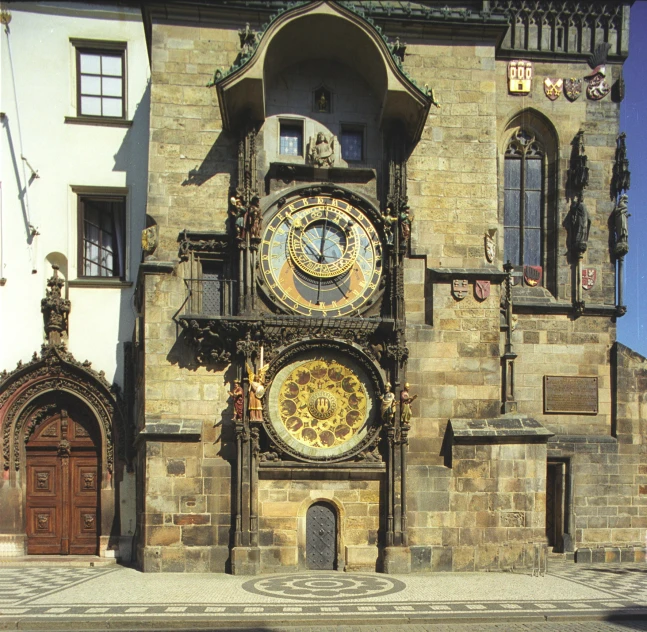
pixel 63 488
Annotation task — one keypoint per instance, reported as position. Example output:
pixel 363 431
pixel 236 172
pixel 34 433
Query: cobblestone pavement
pixel 38 597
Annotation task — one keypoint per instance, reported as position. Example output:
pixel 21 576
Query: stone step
pixel 57 560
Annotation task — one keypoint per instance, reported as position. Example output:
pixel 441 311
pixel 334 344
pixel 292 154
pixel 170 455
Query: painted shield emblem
pixel 482 290
pixel 532 275
pixel 459 289
pixel 519 76
pixel 572 88
pixel 589 276
pixel 553 88
pixel 598 87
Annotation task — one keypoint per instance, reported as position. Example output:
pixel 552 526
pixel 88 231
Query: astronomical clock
pixel 320 256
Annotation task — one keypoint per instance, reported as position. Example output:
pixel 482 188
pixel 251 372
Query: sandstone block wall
pixel 488 509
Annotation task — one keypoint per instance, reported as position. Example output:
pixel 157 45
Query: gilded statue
pixel 405 404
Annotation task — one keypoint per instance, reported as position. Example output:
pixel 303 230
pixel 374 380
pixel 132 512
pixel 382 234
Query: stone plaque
pixel 574 395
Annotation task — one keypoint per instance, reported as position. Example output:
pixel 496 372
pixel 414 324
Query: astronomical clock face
pixel 320 256
pixel 321 407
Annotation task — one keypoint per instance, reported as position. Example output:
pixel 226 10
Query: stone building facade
pixel 372 195
pixel 375 310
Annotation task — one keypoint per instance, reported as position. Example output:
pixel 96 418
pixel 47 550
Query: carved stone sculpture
pixel 254 219
pixel 490 245
pixel 580 226
pixel 238 396
pixel 620 217
pixel 621 180
pixel 321 150
pixel 387 408
pixel 238 212
pixel 405 225
pixel 579 171
pixel 55 308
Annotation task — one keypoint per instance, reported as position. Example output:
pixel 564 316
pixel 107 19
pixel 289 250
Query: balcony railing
pixel 211 297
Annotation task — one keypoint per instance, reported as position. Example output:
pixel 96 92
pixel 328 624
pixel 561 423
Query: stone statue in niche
pixel 321 150
pixel 580 226
pixel 254 218
pixel 388 219
pixel 387 407
pixel 256 393
pixel 238 212
pixel 237 395
pixel 405 404
pixel 620 217
pixel 405 225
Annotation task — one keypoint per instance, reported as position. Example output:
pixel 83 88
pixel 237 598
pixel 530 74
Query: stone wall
pixel 470 506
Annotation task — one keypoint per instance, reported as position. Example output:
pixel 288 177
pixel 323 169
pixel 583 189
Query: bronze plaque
pixel 565 394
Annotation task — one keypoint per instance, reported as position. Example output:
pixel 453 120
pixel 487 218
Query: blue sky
pixel 632 328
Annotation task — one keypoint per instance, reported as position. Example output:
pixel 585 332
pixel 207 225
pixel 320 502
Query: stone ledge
pixel 499 430
pixel 471 274
pixel 171 429
pixel 610 555
pixel 582 439
pixel 156 267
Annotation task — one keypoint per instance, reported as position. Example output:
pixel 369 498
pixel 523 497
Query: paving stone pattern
pixel 121 594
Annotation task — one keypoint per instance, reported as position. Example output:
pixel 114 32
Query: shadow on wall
pixel 132 158
pixel 217 161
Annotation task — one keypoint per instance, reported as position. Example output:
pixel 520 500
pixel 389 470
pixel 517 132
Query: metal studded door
pixel 321 537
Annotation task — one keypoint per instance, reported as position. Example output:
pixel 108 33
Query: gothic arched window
pixel 523 200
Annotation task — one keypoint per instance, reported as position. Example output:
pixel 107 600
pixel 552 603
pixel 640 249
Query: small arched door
pixel 63 482
pixel 321 537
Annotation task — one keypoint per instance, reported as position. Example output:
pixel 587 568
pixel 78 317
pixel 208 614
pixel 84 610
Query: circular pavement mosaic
pixel 324 586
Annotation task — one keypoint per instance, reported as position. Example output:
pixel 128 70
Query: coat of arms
pixel 482 290
pixel 598 87
pixel 532 275
pixel 459 289
pixel 519 76
pixel 553 89
pixel 572 88
pixel 589 275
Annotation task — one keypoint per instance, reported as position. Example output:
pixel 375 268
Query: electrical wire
pixel 24 190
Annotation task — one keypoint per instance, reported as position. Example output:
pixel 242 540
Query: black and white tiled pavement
pixel 61 593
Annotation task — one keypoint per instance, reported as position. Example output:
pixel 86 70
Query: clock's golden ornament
pixel 322 403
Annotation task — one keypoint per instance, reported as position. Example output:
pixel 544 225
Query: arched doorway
pixel 321 537
pixel 63 483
